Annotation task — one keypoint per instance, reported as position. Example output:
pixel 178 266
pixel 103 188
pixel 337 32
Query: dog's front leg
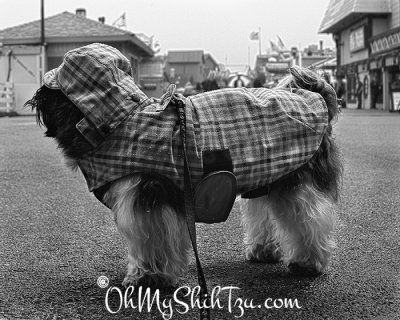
pixel 156 233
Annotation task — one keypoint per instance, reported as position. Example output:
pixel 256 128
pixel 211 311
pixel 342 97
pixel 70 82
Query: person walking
pixel 359 90
pixel 340 89
pixel 374 92
pixel 210 83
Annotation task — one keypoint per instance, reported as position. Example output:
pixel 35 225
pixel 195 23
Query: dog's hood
pixel 258 134
pixel 98 79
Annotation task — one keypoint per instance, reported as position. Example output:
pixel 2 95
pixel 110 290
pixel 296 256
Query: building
pixel 210 64
pixel 276 63
pixel 25 56
pixel 367 36
pixel 153 79
pixel 273 65
pixel 189 66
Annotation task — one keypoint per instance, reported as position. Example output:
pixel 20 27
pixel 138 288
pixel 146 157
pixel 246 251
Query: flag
pixel 274 46
pixel 120 22
pixel 254 35
pixel 281 45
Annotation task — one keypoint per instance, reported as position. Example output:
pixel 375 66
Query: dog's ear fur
pixel 60 116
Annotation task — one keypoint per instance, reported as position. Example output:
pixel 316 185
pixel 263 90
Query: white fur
pixel 296 224
pixel 158 242
pixel 71 163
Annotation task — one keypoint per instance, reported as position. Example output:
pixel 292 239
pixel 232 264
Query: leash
pixel 205 313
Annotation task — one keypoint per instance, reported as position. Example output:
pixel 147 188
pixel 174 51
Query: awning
pixel 343 13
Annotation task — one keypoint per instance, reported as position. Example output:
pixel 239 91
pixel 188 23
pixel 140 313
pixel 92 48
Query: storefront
pixel 376 84
pixel 367 36
pixel 392 70
pixel 384 69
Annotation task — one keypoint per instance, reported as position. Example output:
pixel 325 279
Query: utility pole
pixel 42 33
pixel 43 60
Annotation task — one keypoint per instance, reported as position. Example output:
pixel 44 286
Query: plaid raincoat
pixel 258 134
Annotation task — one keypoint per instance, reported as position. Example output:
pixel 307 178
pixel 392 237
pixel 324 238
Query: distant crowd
pixel 215 81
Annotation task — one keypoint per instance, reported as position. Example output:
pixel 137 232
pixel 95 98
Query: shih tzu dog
pixel 274 149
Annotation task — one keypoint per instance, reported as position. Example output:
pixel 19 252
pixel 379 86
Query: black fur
pixel 60 116
pixel 158 191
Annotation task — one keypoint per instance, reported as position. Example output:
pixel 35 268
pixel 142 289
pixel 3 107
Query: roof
pixel 67 27
pixel 343 13
pixel 193 56
pixel 211 58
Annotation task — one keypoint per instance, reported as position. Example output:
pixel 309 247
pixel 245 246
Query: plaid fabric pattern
pixel 268 132
pixel 98 79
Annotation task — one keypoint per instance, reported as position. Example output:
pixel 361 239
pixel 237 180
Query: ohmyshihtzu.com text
pixel 144 301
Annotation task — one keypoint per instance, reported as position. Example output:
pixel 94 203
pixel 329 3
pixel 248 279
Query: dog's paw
pixel 304 269
pixel 148 281
pixel 129 281
pixel 269 253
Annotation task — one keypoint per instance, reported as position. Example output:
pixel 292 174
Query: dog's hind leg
pixel 259 228
pixel 305 221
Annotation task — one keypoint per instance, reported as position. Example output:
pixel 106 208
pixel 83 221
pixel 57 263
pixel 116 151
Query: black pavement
pixel 57 240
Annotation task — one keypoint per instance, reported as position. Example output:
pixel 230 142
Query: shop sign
pixel 375 64
pixel 276 67
pixel 386 43
pixel 357 39
pixel 391 61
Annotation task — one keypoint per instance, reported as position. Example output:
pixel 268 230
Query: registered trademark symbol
pixel 103 282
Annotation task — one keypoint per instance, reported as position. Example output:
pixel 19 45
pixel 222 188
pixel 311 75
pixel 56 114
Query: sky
pixel 219 27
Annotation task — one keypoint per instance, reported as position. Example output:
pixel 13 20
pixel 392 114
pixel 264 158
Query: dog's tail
pixel 325 169
pixel 309 79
